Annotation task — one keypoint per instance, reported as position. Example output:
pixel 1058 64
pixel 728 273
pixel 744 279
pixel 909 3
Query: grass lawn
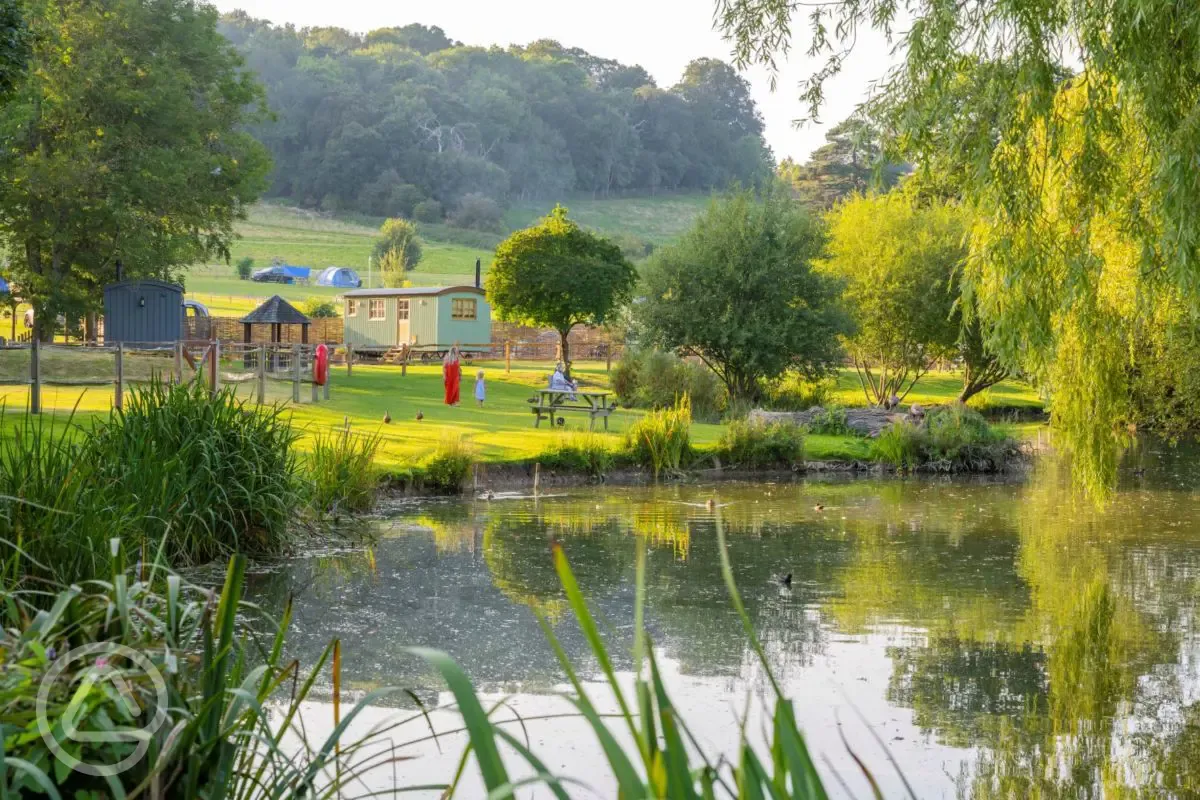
pixel 942 387
pixel 501 431
pixel 659 220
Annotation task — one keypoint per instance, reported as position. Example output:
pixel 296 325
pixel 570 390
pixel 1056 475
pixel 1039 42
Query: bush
pixel 447 469
pixel 245 268
pixel 754 445
pixel 319 308
pixel 342 471
pixel 830 422
pixel 589 453
pixel 661 440
pixel 428 211
pixel 653 379
pixel 899 444
pixel 953 439
pixel 793 392
pixel 478 212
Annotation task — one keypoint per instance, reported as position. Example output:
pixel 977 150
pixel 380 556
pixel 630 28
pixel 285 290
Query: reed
pixel 661 440
pixel 586 452
pixel 756 445
pixel 447 468
pixel 341 471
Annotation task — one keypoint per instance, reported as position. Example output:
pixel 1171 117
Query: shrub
pixel 245 268
pixel 428 211
pixel 342 471
pixel 830 422
pixel 661 440
pixel 589 453
pixel 654 379
pixel 793 392
pixel 899 444
pixel 319 308
pixel 755 445
pixel 447 469
pixel 478 212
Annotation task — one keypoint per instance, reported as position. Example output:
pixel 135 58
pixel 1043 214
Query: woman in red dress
pixel 451 375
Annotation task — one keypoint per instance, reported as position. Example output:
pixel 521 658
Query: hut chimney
pixel 478 274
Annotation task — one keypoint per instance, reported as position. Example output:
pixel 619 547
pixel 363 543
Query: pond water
pixel 999 638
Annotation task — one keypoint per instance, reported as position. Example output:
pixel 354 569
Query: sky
pixel 661 35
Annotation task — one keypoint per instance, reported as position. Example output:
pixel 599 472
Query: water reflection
pixel 1004 639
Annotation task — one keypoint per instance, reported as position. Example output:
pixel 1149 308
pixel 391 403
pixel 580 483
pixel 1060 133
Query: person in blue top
pixel 480 388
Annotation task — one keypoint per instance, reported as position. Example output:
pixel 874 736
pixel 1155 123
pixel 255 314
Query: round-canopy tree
pixel 557 275
pixel 397 250
pixel 739 291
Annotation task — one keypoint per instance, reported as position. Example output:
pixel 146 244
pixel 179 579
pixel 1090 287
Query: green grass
pixel 501 431
pixel 659 220
pixel 942 387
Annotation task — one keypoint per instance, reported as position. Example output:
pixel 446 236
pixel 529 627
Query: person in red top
pixel 451 375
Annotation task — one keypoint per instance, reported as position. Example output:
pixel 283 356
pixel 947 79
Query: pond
pixel 998 638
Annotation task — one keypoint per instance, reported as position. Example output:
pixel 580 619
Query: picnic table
pixel 555 401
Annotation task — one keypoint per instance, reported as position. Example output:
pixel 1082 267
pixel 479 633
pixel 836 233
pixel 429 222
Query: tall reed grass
pixel 447 468
pixel 661 440
pixel 342 471
pixel 755 445
pixel 586 452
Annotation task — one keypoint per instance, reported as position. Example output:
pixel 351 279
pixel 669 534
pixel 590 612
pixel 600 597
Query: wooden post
pixel 537 477
pixel 179 362
pixel 349 359
pixel 404 361
pixel 507 357
pixel 262 373
pixel 118 400
pixel 296 373
pixel 608 357
pixel 316 390
pixel 35 378
pixel 214 367
pixel 328 379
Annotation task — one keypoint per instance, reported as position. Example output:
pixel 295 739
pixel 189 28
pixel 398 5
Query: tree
pixel 397 250
pixel 319 308
pixel 245 267
pixel 557 275
pixel 850 162
pixel 739 291
pixel 1084 173
pixel 122 149
pixel 897 261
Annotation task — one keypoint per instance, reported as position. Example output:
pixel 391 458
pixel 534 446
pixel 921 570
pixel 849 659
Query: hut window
pixel 462 308
pixel 351 308
pixel 401 309
pixel 375 309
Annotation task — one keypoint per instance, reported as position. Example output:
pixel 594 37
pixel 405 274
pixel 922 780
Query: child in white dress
pixel 480 388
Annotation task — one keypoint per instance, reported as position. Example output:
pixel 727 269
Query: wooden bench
pixel 553 402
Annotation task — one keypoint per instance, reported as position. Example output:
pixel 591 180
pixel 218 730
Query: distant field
pixel 659 220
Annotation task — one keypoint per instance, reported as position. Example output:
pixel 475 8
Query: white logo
pixel 103 670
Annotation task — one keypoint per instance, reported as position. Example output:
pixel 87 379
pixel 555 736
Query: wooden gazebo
pixel 276 312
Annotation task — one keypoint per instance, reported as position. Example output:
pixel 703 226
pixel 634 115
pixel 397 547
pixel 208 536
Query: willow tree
pixel 1074 128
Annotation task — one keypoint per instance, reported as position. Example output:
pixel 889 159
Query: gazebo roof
pixel 276 311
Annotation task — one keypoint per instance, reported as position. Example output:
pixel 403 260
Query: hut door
pixel 402 332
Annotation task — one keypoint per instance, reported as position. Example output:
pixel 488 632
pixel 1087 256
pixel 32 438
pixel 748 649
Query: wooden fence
pixel 324 330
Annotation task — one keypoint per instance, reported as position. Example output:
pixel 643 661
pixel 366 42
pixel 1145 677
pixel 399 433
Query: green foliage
pixel 661 440
pixel 14 47
pixel 653 379
pixel 229 726
pixel 447 469
pixel 897 261
pixel 754 445
pixel 793 392
pixel 830 421
pixel 397 250
pixel 428 211
pixel 899 444
pixel 479 212
pixel 145 162
pixel 740 292
pixel 319 308
pixel 953 438
pixel 557 275
pixel 588 453
pixel 849 163
pixel 342 471
pixel 245 268
pixel 383 128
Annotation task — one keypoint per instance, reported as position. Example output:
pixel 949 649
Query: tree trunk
pixel 91 327
pixel 565 346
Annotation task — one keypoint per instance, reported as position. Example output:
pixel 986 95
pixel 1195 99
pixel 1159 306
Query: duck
pixel 387 418
pixel 420 416
pixel 1140 471
pixel 489 495
pixel 785 580
pixel 710 504
pixel 818 507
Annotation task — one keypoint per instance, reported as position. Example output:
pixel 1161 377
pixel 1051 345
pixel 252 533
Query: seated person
pixel 560 383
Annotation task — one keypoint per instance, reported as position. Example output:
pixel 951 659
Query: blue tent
pixel 299 273
pixel 341 277
pixel 4 288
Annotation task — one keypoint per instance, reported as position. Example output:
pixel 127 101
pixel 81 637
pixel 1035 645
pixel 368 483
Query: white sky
pixel 661 35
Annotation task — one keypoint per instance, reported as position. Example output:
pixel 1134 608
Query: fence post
pixel 404 361
pixel 328 378
pixel 179 362
pixel 118 400
pixel 296 374
pixel 214 378
pixel 608 357
pixel 507 357
pixel 35 378
pixel 262 373
pixel 349 359
pixel 316 396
